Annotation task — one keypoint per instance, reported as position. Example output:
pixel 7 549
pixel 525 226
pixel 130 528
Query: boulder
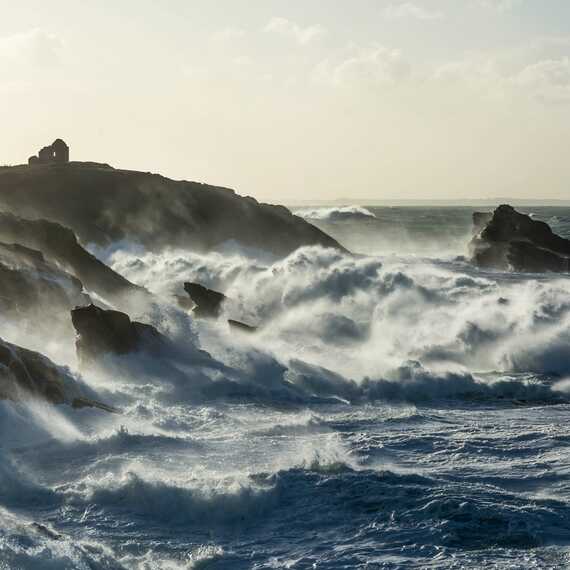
pixel 508 239
pixel 208 303
pixel 101 332
pixel 28 375
pixel 242 327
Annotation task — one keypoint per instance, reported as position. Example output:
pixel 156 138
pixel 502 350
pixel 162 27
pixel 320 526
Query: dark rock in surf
pixel 28 375
pixel 480 220
pixel 208 303
pixel 102 332
pixel 242 327
pixel 59 246
pixel 35 291
pixel 511 240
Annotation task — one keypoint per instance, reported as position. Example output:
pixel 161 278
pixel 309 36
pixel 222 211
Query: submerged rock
pixel 28 375
pixel 104 332
pixel 508 239
pixel 208 302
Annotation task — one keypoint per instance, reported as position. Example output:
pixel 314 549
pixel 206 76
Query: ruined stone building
pixel 57 152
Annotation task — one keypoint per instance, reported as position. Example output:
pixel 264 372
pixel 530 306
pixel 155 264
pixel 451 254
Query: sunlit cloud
pixel 500 5
pixel 228 35
pixel 408 10
pixel 36 47
pixel 548 80
pixel 294 31
pixel 372 65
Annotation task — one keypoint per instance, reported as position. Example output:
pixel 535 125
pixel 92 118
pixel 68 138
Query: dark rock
pixel 480 220
pixel 511 240
pixel 104 332
pixel 45 531
pixel 103 205
pixel 34 290
pixel 208 302
pixel 60 246
pixel 26 375
pixel 242 326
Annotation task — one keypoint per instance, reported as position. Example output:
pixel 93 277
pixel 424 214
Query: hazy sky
pixel 298 99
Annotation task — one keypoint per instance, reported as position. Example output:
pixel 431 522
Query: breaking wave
pixel 336 214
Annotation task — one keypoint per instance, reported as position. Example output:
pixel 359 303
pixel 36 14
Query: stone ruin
pixel 57 153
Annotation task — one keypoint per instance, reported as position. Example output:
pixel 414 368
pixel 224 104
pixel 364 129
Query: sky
pixel 298 99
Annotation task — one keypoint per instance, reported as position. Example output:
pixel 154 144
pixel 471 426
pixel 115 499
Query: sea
pixel 397 408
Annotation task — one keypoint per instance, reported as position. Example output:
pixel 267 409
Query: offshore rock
pixel 242 327
pixel 208 302
pixel 102 332
pixel 511 240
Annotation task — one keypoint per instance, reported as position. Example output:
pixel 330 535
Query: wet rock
pixel 241 326
pixel 511 240
pixel 102 332
pixel 59 246
pixel 45 531
pixel 34 291
pixel 28 375
pixel 480 220
pixel 208 303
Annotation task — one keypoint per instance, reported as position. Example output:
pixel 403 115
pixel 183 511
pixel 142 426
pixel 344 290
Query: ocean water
pixel 397 408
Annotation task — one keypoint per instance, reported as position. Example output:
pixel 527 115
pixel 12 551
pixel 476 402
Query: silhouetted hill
pixel 104 205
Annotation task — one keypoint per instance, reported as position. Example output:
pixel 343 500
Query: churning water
pixel 396 409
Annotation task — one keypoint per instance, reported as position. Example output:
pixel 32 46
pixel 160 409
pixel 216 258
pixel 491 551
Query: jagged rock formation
pixel 27 375
pixel 208 303
pixel 242 327
pixel 508 239
pixel 60 246
pixel 101 332
pixel 480 220
pixel 103 205
pixel 32 288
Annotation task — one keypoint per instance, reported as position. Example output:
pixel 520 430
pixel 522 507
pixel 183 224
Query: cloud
pixel 540 70
pixel 228 35
pixel 500 5
pixel 373 65
pixel 547 80
pixel 408 10
pixel 36 47
pixel 476 71
pixel 297 33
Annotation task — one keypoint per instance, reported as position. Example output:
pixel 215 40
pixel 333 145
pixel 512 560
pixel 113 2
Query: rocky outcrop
pixel 35 290
pixel 28 375
pixel 101 332
pixel 103 205
pixel 480 220
pixel 511 240
pixel 208 303
pixel 60 246
pixel 242 327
